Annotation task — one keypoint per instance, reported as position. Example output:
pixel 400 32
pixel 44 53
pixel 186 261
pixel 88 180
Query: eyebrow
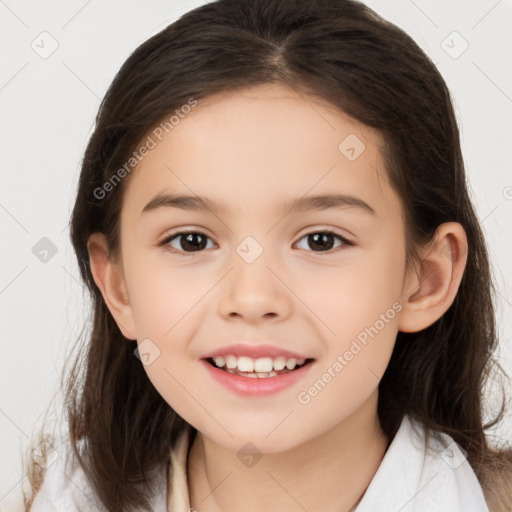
pixel 301 204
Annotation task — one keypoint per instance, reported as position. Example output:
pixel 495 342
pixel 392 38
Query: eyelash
pixel 164 243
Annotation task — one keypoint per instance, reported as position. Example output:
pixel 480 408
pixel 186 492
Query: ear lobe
pixel 109 278
pixel 432 287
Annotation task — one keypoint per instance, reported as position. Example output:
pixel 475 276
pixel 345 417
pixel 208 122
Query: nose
pixel 253 292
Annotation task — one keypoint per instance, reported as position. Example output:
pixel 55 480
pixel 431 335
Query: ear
pixel 108 276
pixel 430 288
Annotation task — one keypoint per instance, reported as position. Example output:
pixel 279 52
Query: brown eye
pixel 187 242
pixel 323 241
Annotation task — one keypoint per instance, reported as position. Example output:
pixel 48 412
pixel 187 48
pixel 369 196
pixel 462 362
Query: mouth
pixel 260 368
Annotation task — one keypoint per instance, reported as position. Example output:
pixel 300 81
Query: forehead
pixel 263 144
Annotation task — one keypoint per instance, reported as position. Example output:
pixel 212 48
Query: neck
pixel 337 466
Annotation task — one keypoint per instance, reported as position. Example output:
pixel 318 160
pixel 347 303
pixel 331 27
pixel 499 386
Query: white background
pixel 48 107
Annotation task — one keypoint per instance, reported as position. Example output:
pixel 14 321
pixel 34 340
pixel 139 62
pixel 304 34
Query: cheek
pixel 358 305
pixel 162 296
pixel 168 306
pixel 356 356
pixel 354 294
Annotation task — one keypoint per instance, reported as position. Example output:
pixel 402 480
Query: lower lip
pixel 249 386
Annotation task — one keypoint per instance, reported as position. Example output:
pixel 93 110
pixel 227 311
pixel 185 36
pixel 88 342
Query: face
pixel 255 279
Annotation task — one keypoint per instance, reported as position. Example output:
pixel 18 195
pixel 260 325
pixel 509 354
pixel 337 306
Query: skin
pixel 254 150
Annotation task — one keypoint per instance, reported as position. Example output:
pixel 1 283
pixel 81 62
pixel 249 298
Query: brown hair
pixel 342 52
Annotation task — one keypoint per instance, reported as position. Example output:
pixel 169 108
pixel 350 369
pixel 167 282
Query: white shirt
pixel 411 478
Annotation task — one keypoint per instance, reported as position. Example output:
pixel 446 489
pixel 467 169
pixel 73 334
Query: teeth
pixel 263 364
pixel 279 363
pixel 219 361
pixel 231 362
pixel 252 375
pixel 262 367
pixel 245 364
pixel 290 363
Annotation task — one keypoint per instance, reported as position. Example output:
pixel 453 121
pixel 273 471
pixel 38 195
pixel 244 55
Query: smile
pixel 256 377
pixel 263 367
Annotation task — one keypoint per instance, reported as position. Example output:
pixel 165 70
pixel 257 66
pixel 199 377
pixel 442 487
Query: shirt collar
pixel 411 474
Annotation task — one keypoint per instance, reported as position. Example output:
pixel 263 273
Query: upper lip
pixel 253 351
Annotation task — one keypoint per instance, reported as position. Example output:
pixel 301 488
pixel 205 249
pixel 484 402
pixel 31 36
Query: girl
pixel 292 295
